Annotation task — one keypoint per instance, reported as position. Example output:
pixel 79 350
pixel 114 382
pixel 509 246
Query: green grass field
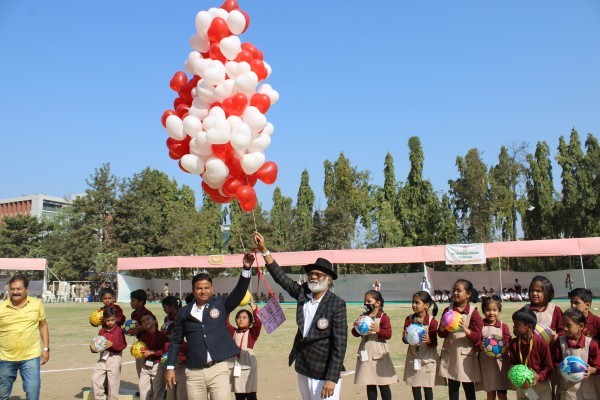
pixel 67 374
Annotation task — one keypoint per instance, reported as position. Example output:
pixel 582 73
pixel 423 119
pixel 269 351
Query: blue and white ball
pixel 364 325
pixel 573 369
pixel 98 343
pixel 414 334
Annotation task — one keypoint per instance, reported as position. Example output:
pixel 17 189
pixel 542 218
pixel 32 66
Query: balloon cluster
pixel 218 128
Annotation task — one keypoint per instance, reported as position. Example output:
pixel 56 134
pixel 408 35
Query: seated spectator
pixel 280 298
pixel 525 295
pixel 445 296
pixel 505 295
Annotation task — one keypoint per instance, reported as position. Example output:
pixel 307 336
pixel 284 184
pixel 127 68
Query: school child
pixel 138 303
pixel 171 306
pixel 108 297
pixel 152 384
pixel 244 369
pixel 495 370
pixel 581 299
pixel 541 293
pixel 458 358
pixel 534 352
pixel 421 360
pixel 575 343
pixel 108 367
pixel 374 365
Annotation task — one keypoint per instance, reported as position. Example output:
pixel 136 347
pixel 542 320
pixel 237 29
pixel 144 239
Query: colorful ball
pixel 364 324
pixel 451 320
pixel 246 299
pixel 415 333
pixel 96 317
pixel 544 332
pixel 164 358
pixel 129 327
pixel 494 346
pixel 519 375
pixel 165 327
pixel 573 369
pixel 137 349
pixel 98 343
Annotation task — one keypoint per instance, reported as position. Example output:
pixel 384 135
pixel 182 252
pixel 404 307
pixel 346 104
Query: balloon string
pixel 261 275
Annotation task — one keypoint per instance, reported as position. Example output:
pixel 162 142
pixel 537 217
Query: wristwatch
pixel 46 349
pixel 266 253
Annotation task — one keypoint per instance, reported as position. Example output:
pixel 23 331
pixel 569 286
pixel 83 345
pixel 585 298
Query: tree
pixel 470 197
pixel 538 220
pixel 302 221
pixel 20 236
pixel 280 218
pixel 210 221
pixel 385 225
pixel 591 166
pixel 243 225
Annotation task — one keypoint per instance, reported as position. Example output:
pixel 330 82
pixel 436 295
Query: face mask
pixel 369 307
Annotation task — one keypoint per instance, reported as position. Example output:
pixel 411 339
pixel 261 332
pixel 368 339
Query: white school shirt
pixel 310 309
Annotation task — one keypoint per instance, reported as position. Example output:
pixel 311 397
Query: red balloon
pixel 230 186
pixel 244 55
pixel 261 101
pixel 178 101
pixel 223 151
pixel 179 148
pixel 217 198
pixel 235 105
pixel 250 179
pixel 218 30
pixel 182 110
pixel 215 53
pixel 268 172
pixel 258 67
pixel 215 104
pixel 235 167
pixel 256 53
pixel 205 55
pixel 173 156
pixel 247 16
pixel 230 5
pixel 163 119
pixel 246 197
pixel 194 81
pixel 210 191
pixel 178 80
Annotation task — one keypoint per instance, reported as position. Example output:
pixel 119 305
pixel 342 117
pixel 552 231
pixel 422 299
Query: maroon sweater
pixel 475 325
pixel 428 320
pixel 154 341
pixel 592 326
pixel 540 358
pixel 120 315
pixel 116 336
pixel 253 331
pixel 385 327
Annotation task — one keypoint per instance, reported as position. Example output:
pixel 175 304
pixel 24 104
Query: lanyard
pixel 528 353
pixel 241 341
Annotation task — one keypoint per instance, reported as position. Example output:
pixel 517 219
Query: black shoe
pixel 137 394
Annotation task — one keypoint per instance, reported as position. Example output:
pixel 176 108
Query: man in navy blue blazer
pixel 209 343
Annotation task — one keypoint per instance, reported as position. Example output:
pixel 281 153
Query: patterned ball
pixel 573 369
pixel 451 320
pixel 414 334
pixel 165 327
pixel 96 317
pixel 246 299
pixel 129 327
pixel 494 346
pixel 98 343
pixel 519 374
pixel 544 332
pixel 163 359
pixel 364 325
pixel 137 349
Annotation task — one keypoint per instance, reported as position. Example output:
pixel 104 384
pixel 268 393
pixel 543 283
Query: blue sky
pixel 84 83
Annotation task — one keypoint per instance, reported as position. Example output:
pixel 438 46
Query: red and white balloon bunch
pixel 218 129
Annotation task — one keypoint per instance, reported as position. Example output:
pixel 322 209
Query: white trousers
pixel 310 389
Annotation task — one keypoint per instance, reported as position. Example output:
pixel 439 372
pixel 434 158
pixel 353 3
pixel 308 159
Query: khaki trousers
pixel 109 369
pixel 152 382
pixel 179 392
pixel 213 380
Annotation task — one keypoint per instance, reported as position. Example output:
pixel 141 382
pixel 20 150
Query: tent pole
pixel 500 269
pixel 180 292
pixel 582 271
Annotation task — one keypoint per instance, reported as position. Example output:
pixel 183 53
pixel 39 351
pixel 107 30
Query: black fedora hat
pixel 322 265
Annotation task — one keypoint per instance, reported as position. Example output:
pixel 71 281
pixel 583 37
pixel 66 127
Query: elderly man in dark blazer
pixel 209 343
pixel 320 342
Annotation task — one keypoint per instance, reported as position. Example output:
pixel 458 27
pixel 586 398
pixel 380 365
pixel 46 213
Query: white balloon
pixel 209 122
pixel 216 170
pixel 175 127
pixel 199 146
pixel 234 120
pixel 217 112
pixel 269 129
pixel 205 92
pixel 214 184
pixel 203 21
pixel 241 136
pixel 235 69
pixel 224 90
pixel 200 65
pixel 251 162
pixel 268 90
pixel 215 74
pixel 221 13
pixel 268 68
pixel 212 11
pixel 220 133
pixel 236 22
pixel 200 43
pixel 198 109
pixel 261 143
pixel 191 125
pixel 192 164
pixel 246 83
pixel 230 46
pixel 254 119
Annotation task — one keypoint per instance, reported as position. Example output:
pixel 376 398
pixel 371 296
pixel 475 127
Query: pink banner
pixel 394 255
pixel 30 264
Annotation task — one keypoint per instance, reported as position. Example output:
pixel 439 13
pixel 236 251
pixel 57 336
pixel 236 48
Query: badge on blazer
pixel 214 313
pixel 322 323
